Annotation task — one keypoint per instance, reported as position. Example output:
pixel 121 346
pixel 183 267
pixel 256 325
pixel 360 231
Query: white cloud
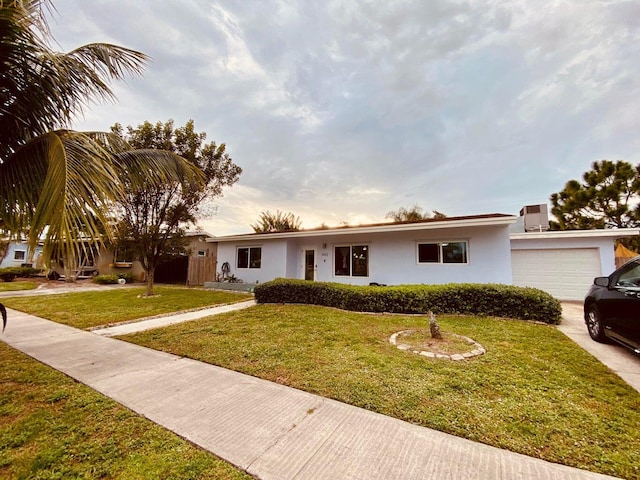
pixel 341 111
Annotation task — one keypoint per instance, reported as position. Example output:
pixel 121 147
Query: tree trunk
pixel 150 273
pixel 434 327
pixel 70 274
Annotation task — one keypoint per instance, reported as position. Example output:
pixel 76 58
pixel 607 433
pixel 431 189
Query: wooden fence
pixel 201 269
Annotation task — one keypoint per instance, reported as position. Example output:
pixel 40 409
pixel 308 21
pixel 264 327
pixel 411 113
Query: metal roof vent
pixel 536 218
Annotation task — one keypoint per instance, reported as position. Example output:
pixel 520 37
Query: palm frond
pixel 3 311
pixel 63 195
pixel 41 89
pixel 157 167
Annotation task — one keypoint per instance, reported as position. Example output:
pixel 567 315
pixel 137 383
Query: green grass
pixel 17 285
pixel 534 392
pixel 94 308
pixel 52 427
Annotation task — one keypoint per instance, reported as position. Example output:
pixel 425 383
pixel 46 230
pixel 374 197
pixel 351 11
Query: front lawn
pixel 534 392
pixel 17 285
pixel 52 427
pixel 95 308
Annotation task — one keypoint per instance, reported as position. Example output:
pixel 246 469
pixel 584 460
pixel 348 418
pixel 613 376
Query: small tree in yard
pixel 154 215
pixel 434 327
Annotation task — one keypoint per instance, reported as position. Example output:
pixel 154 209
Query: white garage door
pixel 564 273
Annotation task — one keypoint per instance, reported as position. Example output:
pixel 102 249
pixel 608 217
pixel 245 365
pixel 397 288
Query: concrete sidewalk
pixel 269 430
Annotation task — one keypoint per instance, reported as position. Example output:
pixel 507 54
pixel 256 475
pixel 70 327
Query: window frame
pixel 15 255
pixel 123 257
pixel 249 259
pixel 441 244
pixel 365 246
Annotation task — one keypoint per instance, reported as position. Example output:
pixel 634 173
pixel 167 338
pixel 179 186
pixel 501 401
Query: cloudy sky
pixel 342 110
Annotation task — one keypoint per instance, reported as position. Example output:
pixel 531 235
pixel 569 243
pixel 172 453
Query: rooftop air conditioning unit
pixel 536 218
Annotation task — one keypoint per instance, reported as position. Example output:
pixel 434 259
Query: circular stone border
pixel 477 350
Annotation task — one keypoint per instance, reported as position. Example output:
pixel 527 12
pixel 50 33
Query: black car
pixel 612 306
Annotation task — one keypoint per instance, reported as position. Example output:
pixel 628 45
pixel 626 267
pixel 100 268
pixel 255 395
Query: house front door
pixel 309 264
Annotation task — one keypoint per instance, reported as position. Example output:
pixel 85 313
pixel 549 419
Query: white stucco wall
pixel 392 257
pixel 273 264
pixel 10 261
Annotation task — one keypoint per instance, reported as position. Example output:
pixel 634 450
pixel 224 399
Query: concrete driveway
pixel 624 363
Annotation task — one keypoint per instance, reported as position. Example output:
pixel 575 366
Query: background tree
pixel 55 182
pixel 413 214
pixel 607 197
pixel 153 215
pixel 277 222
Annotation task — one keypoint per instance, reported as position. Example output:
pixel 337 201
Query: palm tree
pixel 277 222
pixel 55 182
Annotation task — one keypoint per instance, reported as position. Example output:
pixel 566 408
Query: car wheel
pixel 594 324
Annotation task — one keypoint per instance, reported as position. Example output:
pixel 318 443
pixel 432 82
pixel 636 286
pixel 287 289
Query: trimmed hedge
pixel 9 274
pixel 112 278
pixel 105 279
pixel 461 298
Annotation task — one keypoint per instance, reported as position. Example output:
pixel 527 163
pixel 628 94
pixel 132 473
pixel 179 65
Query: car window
pixel 629 277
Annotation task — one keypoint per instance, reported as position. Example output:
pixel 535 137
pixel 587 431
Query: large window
pixel 249 257
pixel 351 261
pixel 443 252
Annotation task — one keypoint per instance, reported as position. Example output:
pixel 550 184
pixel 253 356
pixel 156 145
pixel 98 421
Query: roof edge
pixel 494 219
pixel 607 233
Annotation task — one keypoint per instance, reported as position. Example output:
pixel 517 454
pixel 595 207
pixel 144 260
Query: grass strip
pixel 94 308
pixel 534 392
pixel 17 285
pixel 53 427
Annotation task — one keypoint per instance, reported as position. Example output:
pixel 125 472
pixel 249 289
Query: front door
pixel 309 264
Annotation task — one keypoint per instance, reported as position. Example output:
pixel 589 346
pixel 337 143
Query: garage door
pixel 564 273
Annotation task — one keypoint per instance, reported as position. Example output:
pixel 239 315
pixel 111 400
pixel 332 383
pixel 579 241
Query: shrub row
pixel 9 274
pixel 467 298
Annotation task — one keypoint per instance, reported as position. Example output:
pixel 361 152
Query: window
pixel 123 256
pixel 351 261
pixel 20 255
pixel 202 253
pixel 124 253
pixel 249 257
pixel 630 277
pixel 443 252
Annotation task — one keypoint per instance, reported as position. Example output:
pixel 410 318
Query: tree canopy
pixel 607 197
pixel 153 214
pixel 57 182
pixel 276 222
pixel 413 214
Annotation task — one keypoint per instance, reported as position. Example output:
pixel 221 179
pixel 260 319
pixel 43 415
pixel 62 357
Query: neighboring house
pixel 494 248
pixel 455 249
pixel 18 255
pixel 197 265
pixel 194 267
